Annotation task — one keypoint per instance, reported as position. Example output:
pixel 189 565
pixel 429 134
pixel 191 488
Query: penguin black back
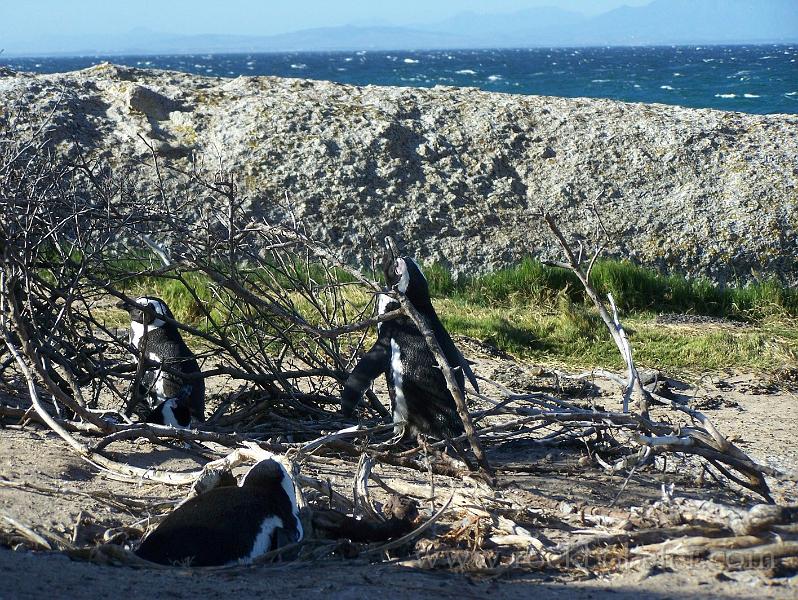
pixel 173 400
pixel 420 398
pixel 229 524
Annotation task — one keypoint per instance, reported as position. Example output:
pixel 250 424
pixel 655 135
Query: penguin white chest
pixel 137 330
pixel 168 411
pixel 136 333
pixel 397 373
pixel 263 542
pixel 157 387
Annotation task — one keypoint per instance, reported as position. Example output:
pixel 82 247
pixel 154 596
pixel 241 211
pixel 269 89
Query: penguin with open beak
pixel 172 400
pixel 229 524
pixel 420 400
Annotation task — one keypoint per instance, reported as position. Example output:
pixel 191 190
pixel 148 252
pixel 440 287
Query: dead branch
pixel 707 443
pixel 33 537
pixel 765 555
pixel 633 386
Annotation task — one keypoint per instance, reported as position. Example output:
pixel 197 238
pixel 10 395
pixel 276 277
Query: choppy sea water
pixel 755 79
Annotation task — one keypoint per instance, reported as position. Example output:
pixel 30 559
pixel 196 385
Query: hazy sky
pixel 37 20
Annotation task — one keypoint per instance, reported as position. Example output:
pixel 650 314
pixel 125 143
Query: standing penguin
pixel 229 524
pixel 172 399
pixel 420 399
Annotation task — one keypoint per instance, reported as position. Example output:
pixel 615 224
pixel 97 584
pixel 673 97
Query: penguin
pixel 420 400
pixel 172 400
pixel 229 524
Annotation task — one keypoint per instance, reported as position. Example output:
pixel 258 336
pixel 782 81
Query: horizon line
pixel 114 53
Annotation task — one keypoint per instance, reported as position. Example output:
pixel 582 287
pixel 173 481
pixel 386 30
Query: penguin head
pixel 270 477
pixel 147 310
pixel 266 474
pixel 403 274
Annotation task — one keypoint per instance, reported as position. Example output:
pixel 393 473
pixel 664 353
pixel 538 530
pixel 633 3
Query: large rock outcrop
pixel 458 174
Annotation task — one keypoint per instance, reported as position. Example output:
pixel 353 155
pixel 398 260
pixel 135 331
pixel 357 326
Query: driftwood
pixel 707 441
pixel 760 556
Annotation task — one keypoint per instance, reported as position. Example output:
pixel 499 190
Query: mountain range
pixel 662 22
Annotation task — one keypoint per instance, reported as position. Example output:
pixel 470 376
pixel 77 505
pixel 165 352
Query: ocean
pixel 755 78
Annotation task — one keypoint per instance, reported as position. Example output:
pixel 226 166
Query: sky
pixel 38 20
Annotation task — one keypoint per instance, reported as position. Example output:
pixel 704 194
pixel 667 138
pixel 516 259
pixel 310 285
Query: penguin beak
pixel 136 311
pixel 390 247
pixel 389 262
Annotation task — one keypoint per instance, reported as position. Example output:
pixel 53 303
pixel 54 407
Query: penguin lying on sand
pixel 420 400
pixel 229 524
pixel 172 400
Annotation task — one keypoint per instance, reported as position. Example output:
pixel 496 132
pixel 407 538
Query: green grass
pixel 575 336
pixel 541 313
pixel 634 288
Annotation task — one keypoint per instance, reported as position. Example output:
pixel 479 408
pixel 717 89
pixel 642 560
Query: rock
pixel 457 175
pixel 149 102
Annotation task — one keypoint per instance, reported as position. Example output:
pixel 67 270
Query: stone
pixel 149 102
pixel 457 175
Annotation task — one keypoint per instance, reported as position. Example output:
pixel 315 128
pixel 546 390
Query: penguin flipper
pixel 372 365
pixel 453 354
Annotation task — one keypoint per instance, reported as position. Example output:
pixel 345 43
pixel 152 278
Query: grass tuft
pixel 635 289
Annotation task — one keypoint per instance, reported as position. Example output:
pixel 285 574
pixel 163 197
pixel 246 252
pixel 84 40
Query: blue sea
pixel 755 79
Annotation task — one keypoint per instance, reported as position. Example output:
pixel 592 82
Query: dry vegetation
pixel 282 321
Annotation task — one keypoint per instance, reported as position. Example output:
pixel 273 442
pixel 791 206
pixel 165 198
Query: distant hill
pixel 662 22
pixel 498 29
pixel 694 21
pixel 367 38
pixel 323 39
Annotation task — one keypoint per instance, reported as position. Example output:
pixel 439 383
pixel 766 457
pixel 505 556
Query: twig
pixel 413 534
pixel 31 535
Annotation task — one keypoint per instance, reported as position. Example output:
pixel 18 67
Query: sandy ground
pixel 29 576
pixel 46 486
